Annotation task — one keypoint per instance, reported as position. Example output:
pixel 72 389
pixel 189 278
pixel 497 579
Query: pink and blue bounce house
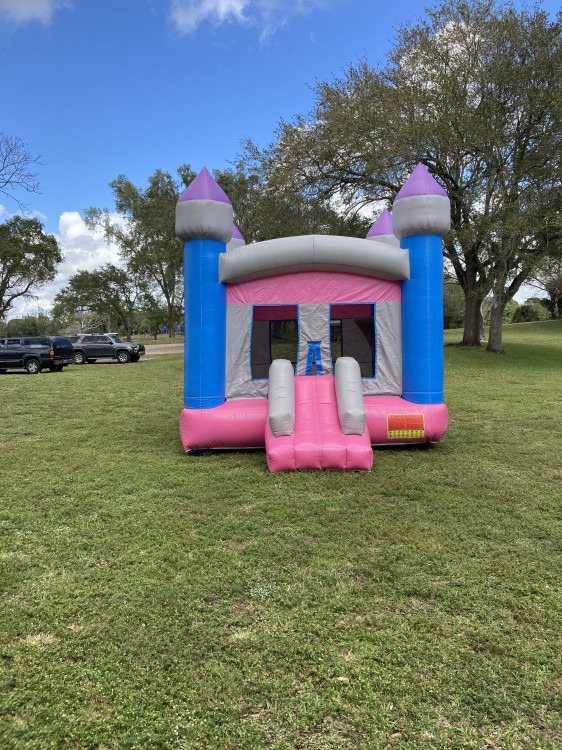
pixel 315 347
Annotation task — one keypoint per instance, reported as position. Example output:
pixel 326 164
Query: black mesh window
pixel 352 331
pixel 275 335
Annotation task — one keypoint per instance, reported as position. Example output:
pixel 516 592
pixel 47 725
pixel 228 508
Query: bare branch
pixel 17 168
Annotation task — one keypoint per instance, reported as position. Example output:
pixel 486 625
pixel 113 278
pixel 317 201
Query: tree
pixel 16 168
pixel 453 305
pixel 473 92
pixel 548 278
pixel 121 292
pixel 146 237
pixel 102 298
pixel 28 259
pixel 30 325
pixel 152 315
pixel 80 305
pixel 263 211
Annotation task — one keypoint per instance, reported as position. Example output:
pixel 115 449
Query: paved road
pixel 163 349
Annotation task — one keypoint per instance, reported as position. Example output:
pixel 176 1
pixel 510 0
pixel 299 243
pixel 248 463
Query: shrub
pixel 453 306
pixel 509 311
pixel 529 312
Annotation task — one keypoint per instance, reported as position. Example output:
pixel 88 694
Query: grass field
pixel 153 600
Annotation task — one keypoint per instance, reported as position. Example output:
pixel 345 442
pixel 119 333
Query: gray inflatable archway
pixel 314 252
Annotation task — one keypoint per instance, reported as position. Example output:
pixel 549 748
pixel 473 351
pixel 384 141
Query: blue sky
pixel 99 88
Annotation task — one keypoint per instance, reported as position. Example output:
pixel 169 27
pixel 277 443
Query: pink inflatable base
pixel 234 424
pixel 409 419
pixel 242 424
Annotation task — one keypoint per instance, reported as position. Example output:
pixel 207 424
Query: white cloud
pixel 6 215
pixel 22 11
pixel 268 15
pixel 82 250
pixel 189 14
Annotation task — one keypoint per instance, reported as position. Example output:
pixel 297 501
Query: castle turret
pixel 204 223
pixel 421 216
pixel 382 230
pixel 237 239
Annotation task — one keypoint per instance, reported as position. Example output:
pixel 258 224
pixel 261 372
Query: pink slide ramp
pixel 317 441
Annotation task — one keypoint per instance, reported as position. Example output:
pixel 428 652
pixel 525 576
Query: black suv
pixel 89 347
pixel 34 353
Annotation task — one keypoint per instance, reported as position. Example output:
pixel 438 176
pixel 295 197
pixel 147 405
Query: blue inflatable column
pixel 204 223
pixel 421 216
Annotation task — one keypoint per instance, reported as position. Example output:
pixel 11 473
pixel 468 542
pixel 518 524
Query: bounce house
pixel 314 347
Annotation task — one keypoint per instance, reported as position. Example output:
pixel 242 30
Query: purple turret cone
pixel 204 211
pixel 421 207
pixel 236 241
pixel 382 226
pixel 420 182
pixel 204 187
pixel 382 230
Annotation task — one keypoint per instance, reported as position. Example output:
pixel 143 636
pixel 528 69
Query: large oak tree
pixel 474 91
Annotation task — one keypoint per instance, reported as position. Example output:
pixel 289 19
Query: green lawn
pixel 153 600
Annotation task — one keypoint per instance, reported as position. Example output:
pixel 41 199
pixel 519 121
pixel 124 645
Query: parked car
pixel 89 347
pixel 34 353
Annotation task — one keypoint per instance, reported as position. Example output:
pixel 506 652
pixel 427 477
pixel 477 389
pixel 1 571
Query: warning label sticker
pixel 400 426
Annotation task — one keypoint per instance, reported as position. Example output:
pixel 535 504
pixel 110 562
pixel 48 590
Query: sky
pixel 99 88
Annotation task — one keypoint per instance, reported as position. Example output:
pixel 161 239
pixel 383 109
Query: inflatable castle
pixel 314 347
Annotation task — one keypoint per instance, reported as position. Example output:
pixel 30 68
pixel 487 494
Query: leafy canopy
pixel 28 259
pixel 472 90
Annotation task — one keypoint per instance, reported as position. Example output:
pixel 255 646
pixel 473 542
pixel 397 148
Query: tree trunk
pixel 171 321
pixel 496 325
pixel 472 319
pixel 482 327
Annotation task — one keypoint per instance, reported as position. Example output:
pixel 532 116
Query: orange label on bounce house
pixel 400 426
